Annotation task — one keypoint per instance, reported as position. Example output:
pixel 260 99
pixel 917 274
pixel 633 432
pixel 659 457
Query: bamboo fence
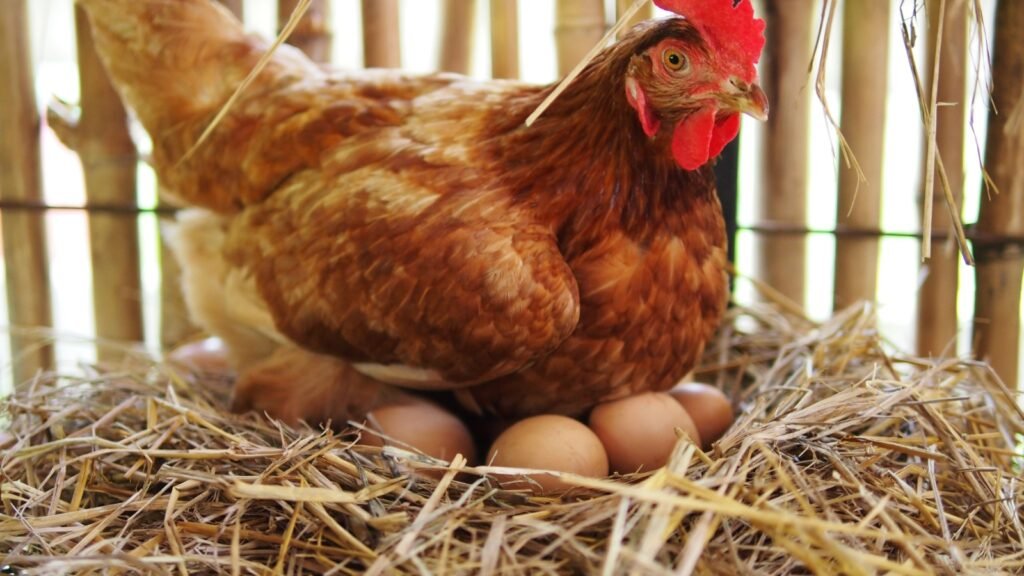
pixel 101 138
pixel 937 305
pixel 24 234
pixel 313 34
pixel 1001 222
pixel 505 38
pixel 865 52
pixel 176 326
pixel 579 25
pixel 98 132
pixel 783 202
pixel 381 43
pixel 457 35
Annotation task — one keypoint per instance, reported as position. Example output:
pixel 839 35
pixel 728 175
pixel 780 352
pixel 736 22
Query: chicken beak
pixel 746 98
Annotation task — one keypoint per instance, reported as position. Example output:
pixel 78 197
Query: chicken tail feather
pixel 176 63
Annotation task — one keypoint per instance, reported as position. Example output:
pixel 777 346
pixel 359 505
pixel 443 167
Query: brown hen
pixel 415 227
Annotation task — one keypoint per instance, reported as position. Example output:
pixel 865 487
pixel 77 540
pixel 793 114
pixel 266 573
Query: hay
pixel 845 459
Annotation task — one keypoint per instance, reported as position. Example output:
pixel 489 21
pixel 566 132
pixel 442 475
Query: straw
pixel 846 457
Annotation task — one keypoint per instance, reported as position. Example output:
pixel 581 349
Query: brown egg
pixel 208 356
pixel 6 440
pixel 709 409
pixel 639 431
pixel 423 425
pixel 548 442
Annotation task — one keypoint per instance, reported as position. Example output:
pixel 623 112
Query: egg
pixel 708 407
pixel 638 432
pixel 208 356
pixel 423 425
pixel 547 442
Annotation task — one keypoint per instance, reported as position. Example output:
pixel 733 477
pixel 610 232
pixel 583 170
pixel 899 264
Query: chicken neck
pixel 589 164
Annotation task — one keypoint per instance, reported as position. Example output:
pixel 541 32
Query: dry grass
pixel 845 459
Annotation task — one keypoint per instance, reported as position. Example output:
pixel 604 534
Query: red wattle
pixel 691 140
pixel 726 128
pixel 702 136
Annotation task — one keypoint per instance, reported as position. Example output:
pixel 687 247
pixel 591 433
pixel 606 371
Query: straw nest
pixel 847 458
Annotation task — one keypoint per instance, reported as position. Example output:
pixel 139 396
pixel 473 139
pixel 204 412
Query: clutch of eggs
pixel 633 434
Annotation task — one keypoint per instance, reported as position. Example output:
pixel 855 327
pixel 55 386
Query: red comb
pixel 729 26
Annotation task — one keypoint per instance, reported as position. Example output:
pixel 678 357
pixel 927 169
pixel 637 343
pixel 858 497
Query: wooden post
pixel 236 6
pixel 24 236
pixel 381 44
pixel 790 37
pixel 644 13
pixel 937 301
pixel 1001 262
pixel 313 34
pixel 505 38
pixel 457 35
pixel 865 85
pixel 579 25
pixel 109 161
pixel 175 323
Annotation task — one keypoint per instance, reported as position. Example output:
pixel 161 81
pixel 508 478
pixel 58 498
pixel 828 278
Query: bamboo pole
pixel 313 34
pixel 236 6
pixel 1000 263
pixel 937 300
pixel 24 235
pixel 865 61
pixel 790 36
pixel 381 44
pixel 644 13
pixel 109 160
pixel 176 325
pixel 579 25
pixel 457 35
pixel 505 38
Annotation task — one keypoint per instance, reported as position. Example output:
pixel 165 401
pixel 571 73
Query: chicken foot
pixel 295 385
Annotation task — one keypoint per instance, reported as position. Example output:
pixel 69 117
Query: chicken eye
pixel 674 60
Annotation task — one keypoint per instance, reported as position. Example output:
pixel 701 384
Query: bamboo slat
pixel 937 300
pixel 644 13
pixel 505 38
pixel 1001 264
pixel 457 35
pixel 381 44
pixel 24 236
pixel 865 85
pixel 579 25
pixel 176 325
pixel 237 7
pixel 790 36
pixel 109 161
pixel 313 34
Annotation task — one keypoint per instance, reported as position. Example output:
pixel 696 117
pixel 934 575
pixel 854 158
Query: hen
pixel 414 226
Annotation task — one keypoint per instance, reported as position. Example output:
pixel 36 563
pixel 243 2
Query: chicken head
pixel 693 86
